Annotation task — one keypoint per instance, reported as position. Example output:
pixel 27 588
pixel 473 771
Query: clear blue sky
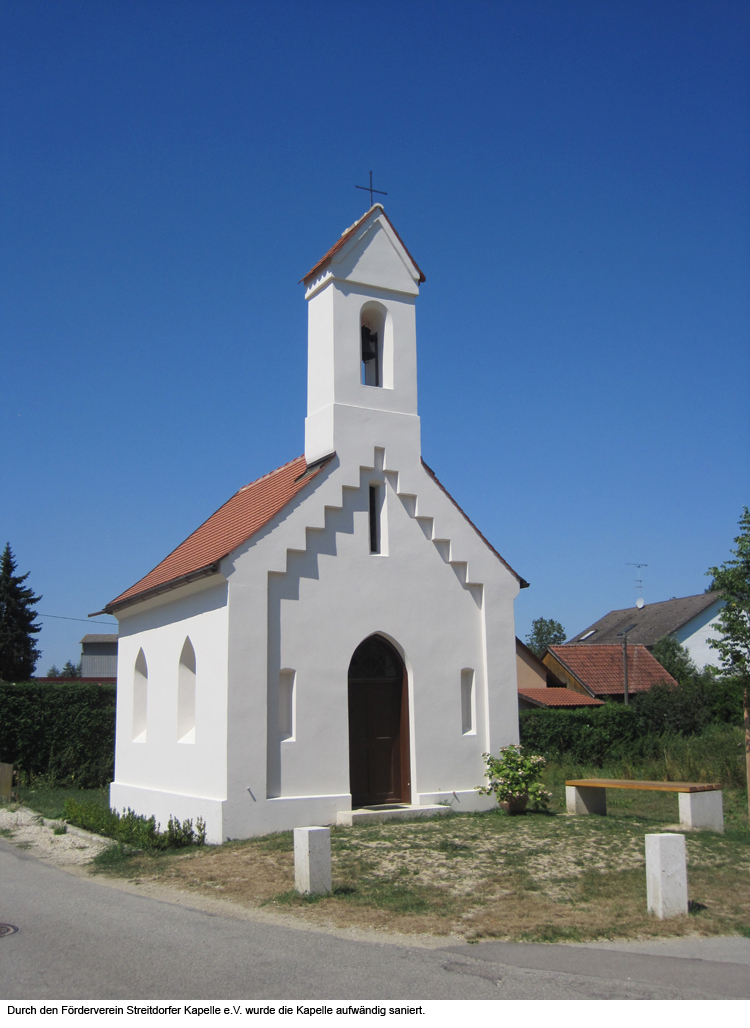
pixel 571 176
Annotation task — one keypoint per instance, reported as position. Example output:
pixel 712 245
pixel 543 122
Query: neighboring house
pixel 691 620
pixel 599 670
pixel 99 657
pixel 339 633
pixel 539 686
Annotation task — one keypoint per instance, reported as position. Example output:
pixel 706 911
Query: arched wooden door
pixel 378 725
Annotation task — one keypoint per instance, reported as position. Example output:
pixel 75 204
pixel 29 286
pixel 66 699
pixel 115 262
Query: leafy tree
pixel 54 672
pixel 733 578
pixel 675 659
pixel 71 670
pixel 544 632
pixel 18 649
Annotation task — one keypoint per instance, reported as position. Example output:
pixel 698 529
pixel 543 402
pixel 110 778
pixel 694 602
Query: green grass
pixel 49 800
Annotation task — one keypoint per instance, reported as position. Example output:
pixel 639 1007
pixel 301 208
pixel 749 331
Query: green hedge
pixel 64 733
pixel 590 734
pixel 597 734
pixel 622 740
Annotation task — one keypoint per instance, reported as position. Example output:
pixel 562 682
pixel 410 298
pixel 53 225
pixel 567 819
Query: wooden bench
pixel 701 804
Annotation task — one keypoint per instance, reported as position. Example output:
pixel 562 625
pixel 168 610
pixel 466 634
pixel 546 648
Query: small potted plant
pixel 514 779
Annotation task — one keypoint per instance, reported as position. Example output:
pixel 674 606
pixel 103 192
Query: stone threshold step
pixel 402 812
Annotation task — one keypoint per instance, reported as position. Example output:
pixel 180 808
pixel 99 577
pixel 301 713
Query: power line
pixel 87 621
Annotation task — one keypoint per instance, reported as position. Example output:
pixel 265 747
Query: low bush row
pixel 133 829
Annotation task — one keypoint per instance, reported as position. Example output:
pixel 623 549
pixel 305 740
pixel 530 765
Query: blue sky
pixel 572 177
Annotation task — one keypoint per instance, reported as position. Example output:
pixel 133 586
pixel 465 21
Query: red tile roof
pixel 233 524
pixel 558 698
pixel 346 236
pixel 600 668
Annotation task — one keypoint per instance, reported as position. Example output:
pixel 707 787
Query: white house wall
pixel 161 775
pixel 695 635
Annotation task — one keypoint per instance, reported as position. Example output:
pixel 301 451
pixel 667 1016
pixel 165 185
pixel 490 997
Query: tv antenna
pixel 640 602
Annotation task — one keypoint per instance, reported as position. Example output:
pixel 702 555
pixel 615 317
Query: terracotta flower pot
pixel 515 805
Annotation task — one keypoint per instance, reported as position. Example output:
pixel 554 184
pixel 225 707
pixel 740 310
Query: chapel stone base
pixel 389 812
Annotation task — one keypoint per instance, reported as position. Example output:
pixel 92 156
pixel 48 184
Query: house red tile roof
pixel 599 669
pixel 558 698
pixel 233 524
pixel 346 236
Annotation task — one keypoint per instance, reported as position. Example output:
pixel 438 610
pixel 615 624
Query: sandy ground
pixel 32 832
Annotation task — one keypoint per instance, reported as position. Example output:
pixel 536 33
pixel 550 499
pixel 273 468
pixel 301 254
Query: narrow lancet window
pixel 186 694
pixel 140 698
pixel 370 357
pixel 375 504
pixel 468 703
pixel 286 704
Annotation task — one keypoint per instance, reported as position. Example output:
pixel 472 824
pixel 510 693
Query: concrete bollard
pixel 666 875
pixel 312 860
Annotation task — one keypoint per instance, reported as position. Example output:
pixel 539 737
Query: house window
pixel 287 704
pixel 140 698
pixel 186 694
pixel 468 702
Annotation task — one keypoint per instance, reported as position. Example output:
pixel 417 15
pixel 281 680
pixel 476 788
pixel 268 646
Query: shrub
pixel 131 829
pixel 513 775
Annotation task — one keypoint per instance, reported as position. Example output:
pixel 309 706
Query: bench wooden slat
pixel 627 783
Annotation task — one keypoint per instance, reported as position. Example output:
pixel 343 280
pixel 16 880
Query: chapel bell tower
pixel 362 345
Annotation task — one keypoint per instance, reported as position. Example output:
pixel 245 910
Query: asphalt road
pixel 80 938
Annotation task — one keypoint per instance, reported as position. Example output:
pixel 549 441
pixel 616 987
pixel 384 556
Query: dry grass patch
pixel 536 877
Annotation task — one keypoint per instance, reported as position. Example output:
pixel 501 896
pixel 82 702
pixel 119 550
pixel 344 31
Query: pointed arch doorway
pixel 379 763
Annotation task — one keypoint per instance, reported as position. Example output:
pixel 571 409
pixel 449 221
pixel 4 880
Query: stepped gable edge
pixel 522 581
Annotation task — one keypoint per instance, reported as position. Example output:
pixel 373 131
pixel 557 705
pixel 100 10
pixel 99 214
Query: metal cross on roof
pixel 370 190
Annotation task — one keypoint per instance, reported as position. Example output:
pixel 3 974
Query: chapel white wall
pixel 161 775
pixel 326 593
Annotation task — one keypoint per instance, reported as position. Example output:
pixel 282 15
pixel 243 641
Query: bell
pixel 369 345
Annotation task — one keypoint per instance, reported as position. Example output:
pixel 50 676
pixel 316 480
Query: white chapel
pixel 338 635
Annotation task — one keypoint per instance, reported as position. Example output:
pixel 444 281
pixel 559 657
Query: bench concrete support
pixel 702 810
pixel 312 860
pixel 666 875
pixel 582 800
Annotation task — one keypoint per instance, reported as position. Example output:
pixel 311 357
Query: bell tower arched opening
pixel 379 760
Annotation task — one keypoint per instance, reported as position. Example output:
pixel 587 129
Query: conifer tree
pixel 18 649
